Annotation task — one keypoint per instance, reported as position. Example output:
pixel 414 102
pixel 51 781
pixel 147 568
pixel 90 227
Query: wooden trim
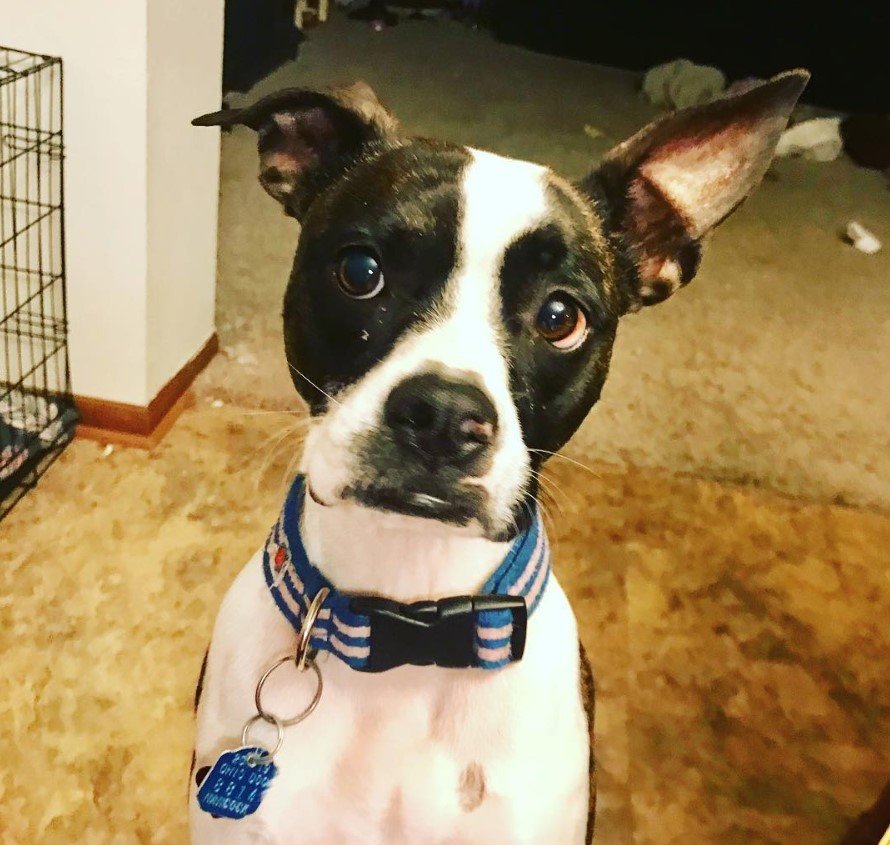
pixel 129 438
pixel 143 425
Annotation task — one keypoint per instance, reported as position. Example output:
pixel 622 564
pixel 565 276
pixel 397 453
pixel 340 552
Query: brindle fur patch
pixel 471 787
pixel 199 688
pixel 588 700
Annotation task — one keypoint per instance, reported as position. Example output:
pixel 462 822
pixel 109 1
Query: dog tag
pixel 235 785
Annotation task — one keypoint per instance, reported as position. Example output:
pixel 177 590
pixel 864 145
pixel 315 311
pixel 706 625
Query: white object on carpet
pixel 863 239
pixel 817 140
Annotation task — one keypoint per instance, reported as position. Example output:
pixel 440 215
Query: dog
pixel 449 321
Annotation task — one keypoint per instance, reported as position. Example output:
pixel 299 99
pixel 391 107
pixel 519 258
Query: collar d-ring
pixel 305 637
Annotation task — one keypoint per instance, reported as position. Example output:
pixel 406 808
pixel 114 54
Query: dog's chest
pixel 446 764
pixel 414 755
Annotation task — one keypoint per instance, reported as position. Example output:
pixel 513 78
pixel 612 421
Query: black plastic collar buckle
pixel 440 633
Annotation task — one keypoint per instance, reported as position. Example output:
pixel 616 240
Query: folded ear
pixel 670 184
pixel 307 139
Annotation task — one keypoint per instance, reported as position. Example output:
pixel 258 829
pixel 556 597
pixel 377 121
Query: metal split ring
pixel 305 637
pixel 287 723
pixel 303 659
pixel 266 758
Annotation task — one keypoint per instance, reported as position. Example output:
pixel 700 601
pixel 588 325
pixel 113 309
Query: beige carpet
pixel 738 636
pixel 738 639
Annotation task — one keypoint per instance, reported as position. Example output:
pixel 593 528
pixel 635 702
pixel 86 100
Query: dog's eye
pixel 561 322
pixel 359 274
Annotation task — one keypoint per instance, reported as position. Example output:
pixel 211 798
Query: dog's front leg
pixel 249 633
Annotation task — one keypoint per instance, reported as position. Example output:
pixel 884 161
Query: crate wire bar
pixel 37 412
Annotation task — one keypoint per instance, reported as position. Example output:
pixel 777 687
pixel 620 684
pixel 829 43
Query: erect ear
pixel 307 139
pixel 670 184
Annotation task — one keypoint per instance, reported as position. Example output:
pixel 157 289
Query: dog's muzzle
pixel 438 432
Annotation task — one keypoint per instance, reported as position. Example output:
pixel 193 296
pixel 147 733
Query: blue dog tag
pixel 235 785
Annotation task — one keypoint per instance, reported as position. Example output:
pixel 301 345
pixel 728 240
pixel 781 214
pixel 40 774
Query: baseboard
pixel 143 425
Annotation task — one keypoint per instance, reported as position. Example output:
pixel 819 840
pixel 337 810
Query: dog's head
pixel 450 314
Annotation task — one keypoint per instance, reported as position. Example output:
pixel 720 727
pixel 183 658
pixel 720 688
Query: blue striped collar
pixel 371 634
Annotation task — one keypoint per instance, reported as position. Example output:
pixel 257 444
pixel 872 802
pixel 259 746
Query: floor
pixel 720 523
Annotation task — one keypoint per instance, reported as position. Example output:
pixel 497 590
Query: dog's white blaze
pixel 502 199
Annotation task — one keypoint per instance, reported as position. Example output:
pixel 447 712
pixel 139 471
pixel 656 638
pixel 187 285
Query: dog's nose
pixel 442 420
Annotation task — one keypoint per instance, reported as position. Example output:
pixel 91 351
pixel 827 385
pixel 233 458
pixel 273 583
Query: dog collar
pixel 373 634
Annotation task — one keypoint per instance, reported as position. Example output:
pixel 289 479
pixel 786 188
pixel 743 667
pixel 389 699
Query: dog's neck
pixel 400 557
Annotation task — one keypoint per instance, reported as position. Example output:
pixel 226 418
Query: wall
pixel 141 189
pixel 184 80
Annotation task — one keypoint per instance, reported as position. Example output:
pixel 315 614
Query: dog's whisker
pixel 303 375
pixel 291 467
pixel 280 437
pixel 555 492
pixel 542 481
pixel 257 412
pixel 542 478
pixel 577 463
pixel 267 460
pixel 550 526
pixel 290 471
pixel 551 499
pixel 276 435
pixel 529 504
pixel 545 513
pixel 357 420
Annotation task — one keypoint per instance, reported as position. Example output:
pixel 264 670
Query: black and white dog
pixel 449 320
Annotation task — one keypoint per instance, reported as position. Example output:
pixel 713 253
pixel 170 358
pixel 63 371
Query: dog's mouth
pixel 381 478
pixel 453 504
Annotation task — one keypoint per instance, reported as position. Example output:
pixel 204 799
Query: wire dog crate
pixel 37 412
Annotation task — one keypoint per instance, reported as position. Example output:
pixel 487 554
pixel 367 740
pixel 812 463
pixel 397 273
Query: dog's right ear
pixel 308 139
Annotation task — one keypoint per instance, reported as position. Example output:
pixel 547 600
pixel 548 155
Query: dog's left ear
pixel 673 182
pixel 308 139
